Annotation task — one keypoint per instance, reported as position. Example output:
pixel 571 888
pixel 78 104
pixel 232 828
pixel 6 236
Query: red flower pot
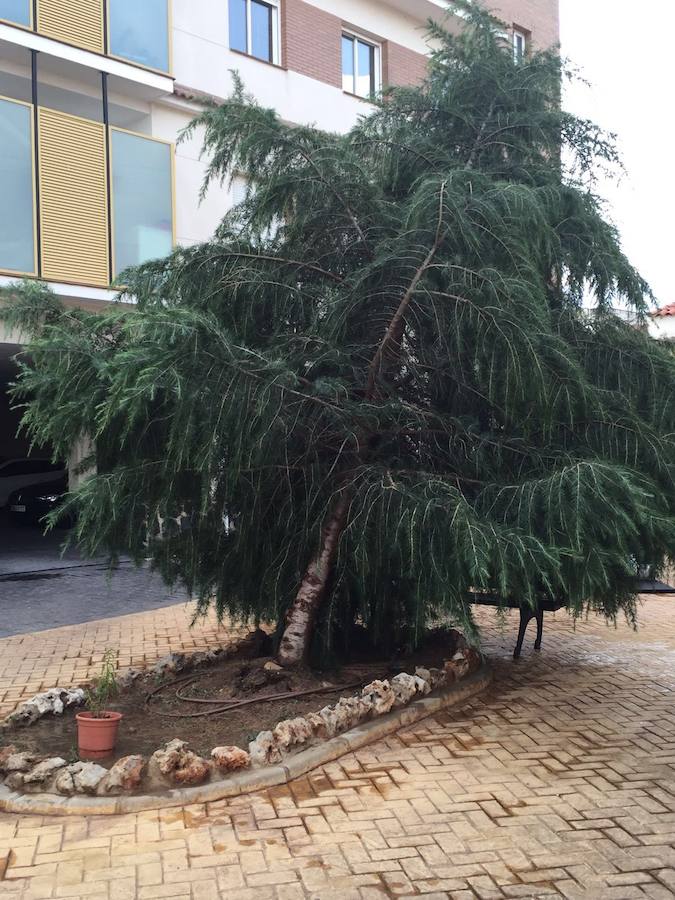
pixel 96 738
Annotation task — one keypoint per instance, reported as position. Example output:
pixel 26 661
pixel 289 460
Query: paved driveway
pixel 41 588
pixel 559 782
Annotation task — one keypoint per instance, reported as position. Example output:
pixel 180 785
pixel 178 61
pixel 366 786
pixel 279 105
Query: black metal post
pixel 105 27
pixel 108 173
pixel 36 150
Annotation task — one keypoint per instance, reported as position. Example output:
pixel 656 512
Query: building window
pixel 360 66
pixel 139 32
pixel 17 11
pixel 17 224
pixel 519 44
pixel 254 28
pixel 142 198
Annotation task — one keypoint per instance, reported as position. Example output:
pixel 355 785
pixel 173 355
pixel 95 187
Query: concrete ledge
pixel 257 779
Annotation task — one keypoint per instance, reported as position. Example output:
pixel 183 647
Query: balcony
pixel 135 31
pixel 88 199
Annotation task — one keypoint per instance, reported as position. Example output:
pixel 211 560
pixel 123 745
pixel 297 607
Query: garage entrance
pixel 22 549
pixel 41 585
pixel 12 446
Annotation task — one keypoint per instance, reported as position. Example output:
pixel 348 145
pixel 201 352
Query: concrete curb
pixel 258 779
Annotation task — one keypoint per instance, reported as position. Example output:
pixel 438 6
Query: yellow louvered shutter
pixel 78 22
pixel 73 198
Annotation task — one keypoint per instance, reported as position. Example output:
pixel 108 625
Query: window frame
pixel 275 34
pixel 376 76
pixel 519 34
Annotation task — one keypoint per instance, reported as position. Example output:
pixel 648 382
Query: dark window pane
pixel 139 32
pixel 347 64
pixel 261 31
pixel 238 25
pixel 365 82
pixel 17 11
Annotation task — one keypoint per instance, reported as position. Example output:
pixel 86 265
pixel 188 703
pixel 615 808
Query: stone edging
pixel 247 782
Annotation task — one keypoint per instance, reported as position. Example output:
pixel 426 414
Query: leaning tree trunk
pixel 303 610
pixel 302 613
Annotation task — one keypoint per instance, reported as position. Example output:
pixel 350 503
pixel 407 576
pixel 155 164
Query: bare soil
pixel 156 711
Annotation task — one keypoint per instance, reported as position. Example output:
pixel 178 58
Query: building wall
pixel 402 66
pixel 539 18
pixel 305 88
pixel 317 58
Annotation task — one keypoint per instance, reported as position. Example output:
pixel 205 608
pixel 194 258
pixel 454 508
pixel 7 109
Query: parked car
pixel 19 473
pixel 31 504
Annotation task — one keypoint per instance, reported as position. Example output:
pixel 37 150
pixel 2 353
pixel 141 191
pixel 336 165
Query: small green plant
pixel 104 688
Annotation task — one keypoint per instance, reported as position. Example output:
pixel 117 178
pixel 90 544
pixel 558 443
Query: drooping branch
pixel 296 263
pixel 330 186
pixel 394 330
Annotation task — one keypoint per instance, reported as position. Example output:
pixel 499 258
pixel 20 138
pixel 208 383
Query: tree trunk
pixel 302 612
pixel 301 615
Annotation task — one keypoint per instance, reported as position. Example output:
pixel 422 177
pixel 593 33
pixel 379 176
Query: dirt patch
pixel 158 711
pixel 148 725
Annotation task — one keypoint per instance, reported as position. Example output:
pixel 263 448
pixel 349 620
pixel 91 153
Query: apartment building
pixel 94 93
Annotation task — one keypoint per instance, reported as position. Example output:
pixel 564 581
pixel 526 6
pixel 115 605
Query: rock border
pixel 257 779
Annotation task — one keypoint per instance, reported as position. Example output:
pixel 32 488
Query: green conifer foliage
pixel 377 389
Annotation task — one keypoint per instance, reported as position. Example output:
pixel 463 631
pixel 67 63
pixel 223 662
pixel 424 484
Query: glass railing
pixel 142 198
pixel 18 12
pixel 87 202
pixel 137 31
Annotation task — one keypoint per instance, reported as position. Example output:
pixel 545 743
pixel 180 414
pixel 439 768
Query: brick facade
pixel 311 40
pixel 402 66
pixel 311 45
pixel 539 18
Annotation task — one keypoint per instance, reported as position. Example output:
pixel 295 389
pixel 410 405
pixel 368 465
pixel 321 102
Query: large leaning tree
pixel 381 386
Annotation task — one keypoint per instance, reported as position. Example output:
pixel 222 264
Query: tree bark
pixel 302 612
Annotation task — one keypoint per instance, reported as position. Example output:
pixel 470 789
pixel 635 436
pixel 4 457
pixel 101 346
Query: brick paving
pixel 72 654
pixel 558 782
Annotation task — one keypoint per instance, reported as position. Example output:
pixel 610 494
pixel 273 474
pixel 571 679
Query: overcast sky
pixel 626 51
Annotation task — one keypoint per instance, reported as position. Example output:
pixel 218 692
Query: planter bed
pixel 166 753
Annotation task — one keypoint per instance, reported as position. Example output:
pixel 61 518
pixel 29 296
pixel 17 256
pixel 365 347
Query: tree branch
pixel 397 320
pixel 287 262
